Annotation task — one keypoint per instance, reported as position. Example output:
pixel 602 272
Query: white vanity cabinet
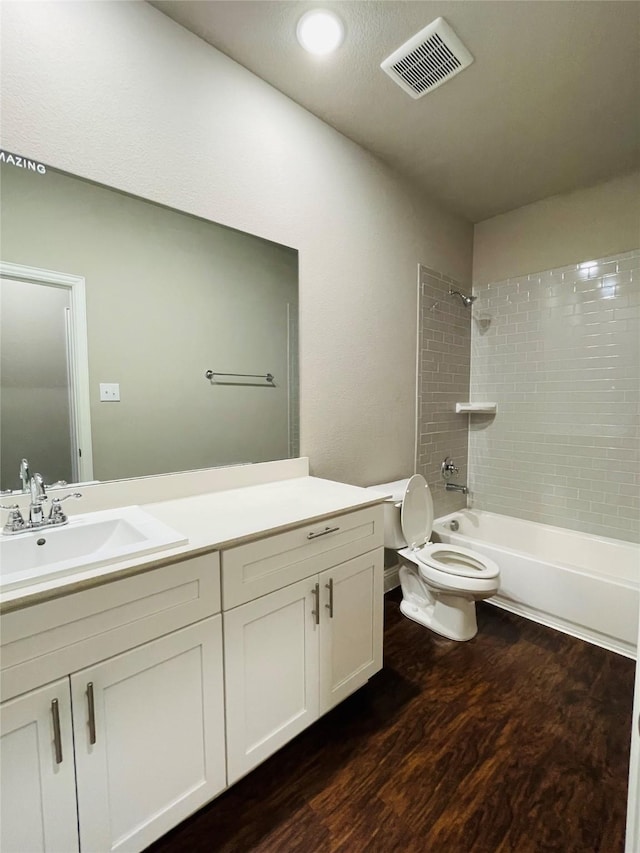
pixel 296 651
pixel 128 704
pixel 147 724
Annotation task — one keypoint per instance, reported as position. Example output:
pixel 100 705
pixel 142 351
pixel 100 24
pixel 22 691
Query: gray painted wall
pixel 34 390
pixel 168 297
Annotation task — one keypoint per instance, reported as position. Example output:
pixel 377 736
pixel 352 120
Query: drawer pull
pixel 57 739
pixel 92 713
pixel 316 611
pixel 329 606
pixel 322 532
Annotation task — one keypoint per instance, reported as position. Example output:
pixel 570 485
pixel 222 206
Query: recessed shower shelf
pixel 477 408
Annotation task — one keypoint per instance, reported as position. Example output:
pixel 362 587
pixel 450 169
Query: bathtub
pixel 583 585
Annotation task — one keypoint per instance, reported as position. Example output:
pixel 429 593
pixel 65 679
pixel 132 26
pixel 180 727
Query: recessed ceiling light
pixel 320 31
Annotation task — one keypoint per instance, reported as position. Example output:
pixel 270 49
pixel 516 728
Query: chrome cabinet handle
pixel 322 532
pixel 316 611
pixel 92 713
pixel 57 739
pixel 329 606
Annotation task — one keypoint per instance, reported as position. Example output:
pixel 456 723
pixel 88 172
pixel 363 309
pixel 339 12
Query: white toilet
pixel 440 583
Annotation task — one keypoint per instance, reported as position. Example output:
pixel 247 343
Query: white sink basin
pixel 94 539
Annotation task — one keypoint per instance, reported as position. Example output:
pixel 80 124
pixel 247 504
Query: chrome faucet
pixel 34 484
pixel 454 487
pixel 25 474
pixel 447 469
pixel 38 496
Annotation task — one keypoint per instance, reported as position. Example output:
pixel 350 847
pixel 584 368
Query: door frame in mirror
pixel 78 352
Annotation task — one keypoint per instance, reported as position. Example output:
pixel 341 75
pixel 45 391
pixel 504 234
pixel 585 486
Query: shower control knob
pixel 448 468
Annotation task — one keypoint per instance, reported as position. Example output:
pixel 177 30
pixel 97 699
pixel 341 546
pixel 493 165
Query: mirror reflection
pixel 112 311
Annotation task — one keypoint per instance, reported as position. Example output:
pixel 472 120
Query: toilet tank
pixel 393 537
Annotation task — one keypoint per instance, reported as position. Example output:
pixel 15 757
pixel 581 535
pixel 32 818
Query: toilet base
pixel 451 616
pixel 455 620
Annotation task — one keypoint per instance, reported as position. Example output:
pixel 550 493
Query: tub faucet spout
pixel 454 487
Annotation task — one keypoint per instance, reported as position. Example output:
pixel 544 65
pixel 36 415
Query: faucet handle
pixel 74 495
pixel 448 468
pixel 57 515
pixel 15 521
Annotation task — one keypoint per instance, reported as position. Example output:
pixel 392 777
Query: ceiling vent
pixel 429 59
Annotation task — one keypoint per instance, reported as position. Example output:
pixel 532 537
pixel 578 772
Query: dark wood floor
pixel 515 741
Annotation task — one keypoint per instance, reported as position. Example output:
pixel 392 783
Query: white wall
pixel 563 229
pixel 118 93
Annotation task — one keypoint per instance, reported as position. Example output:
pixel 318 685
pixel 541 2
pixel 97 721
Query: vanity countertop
pixel 213 521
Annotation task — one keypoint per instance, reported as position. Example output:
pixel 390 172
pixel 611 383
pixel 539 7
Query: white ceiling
pixel 551 103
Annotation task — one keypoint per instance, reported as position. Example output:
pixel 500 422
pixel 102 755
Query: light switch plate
pixel 109 392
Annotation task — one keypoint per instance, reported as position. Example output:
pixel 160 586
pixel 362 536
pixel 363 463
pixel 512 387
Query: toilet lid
pixel 416 515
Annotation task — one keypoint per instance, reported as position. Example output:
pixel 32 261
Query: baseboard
pixel 391 578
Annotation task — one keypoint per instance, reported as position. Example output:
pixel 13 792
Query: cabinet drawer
pixel 45 641
pixel 255 569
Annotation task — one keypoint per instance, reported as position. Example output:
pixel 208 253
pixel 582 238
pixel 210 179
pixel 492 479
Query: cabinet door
pixel 351 636
pixel 271 673
pixel 156 719
pixel 38 806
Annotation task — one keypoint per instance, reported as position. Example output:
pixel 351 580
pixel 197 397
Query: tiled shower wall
pixel 559 353
pixel 444 344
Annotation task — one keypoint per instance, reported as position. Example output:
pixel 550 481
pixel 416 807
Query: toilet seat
pixel 456 560
pixel 480 585
pixel 449 566
pixel 459 576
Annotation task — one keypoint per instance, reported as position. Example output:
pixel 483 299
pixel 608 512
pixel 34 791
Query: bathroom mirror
pixel 112 310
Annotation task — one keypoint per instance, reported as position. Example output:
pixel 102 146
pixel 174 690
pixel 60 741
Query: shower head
pixel 466 300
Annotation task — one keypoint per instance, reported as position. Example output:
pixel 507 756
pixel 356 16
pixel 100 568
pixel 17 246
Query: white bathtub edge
pixel 581 633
